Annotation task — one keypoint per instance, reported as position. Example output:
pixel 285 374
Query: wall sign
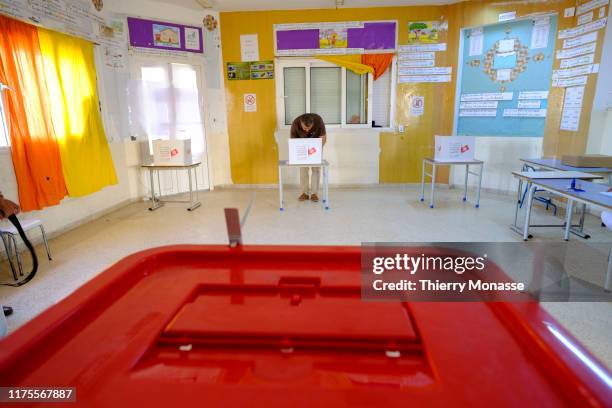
pixel 164 36
pixel 354 37
pixel 250 70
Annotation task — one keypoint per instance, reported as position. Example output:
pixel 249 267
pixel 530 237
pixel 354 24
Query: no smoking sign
pixel 250 102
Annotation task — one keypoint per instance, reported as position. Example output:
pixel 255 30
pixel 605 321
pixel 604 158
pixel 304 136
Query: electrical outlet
pixel 400 128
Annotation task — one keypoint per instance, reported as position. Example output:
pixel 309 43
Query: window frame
pixel 280 63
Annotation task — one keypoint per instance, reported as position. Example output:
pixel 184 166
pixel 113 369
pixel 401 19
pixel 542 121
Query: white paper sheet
pixel 572 72
pixel 478 105
pixel 249 47
pixel 573 97
pixel 529 104
pixel 424 78
pixel 488 113
pixel 565 82
pixel 416 55
pixel 582 60
pixel 503 74
pixel 569 12
pixel 580 40
pixel 593 4
pixel 506 45
pixel 585 28
pixel 493 96
pixel 192 38
pixel 533 95
pixel 426 71
pixel 576 51
pixel 525 113
pixel 422 47
pixel 570 119
pixel 585 18
pixel 511 15
pixel 540 33
pixel 476 41
pixel 416 64
pixel 417 105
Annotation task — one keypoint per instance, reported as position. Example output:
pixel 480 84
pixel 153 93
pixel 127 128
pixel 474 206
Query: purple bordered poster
pixel 165 36
pixel 353 37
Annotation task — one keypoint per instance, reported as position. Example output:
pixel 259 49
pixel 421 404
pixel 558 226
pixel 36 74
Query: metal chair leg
pixel 7 249
pixel 608 273
pixel 44 237
pixel 17 255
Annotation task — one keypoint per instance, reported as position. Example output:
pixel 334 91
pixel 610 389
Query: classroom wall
pixel 72 212
pixel 214 95
pixel 253 141
pixel 253 136
pixel 501 154
pixel 600 131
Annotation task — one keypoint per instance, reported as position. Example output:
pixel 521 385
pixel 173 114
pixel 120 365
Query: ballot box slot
pixel 295 313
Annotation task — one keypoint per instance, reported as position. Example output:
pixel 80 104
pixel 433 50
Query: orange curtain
pixel 380 62
pixel 34 148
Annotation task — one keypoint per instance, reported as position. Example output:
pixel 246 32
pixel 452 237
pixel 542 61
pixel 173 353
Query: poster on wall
pixel 73 17
pixel 192 38
pixel 338 38
pixel 250 70
pixel 159 35
pixel 166 36
pixel 514 70
pixel 423 32
pixel 333 37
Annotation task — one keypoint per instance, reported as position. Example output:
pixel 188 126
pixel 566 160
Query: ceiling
pixel 249 5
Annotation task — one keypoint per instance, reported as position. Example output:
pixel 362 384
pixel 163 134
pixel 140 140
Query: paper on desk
pixel 607 193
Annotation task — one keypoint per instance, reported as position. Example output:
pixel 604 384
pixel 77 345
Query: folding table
pixel 156 200
pixel 534 178
pixel 434 163
pixel 324 165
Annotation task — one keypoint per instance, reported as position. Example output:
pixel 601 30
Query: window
pixel 166 104
pixel 4 134
pixel 342 98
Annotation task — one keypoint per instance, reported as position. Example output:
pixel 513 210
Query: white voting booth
pixel 305 151
pixel 449 151
pixel 454 148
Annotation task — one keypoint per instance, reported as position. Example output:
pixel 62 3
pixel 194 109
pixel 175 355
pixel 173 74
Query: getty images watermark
pixel 489 272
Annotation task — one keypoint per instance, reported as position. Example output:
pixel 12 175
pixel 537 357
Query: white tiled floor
pixel 356 215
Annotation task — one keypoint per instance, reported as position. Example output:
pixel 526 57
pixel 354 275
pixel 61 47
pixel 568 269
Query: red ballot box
pixel 285 326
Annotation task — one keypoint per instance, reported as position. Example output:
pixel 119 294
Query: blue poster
pixel 505 78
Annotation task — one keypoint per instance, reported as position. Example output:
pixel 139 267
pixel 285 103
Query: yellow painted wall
pixel 253 151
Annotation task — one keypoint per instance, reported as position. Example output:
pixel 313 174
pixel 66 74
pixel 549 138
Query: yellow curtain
pixel 71 80
pixel 350 62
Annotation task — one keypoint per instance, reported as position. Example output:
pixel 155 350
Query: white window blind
pixel 356 98
pixel 325 93
pixel 381 99
pixel 295 93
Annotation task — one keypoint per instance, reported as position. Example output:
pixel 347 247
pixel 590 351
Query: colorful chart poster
pixel 238 70
pixel 166 36
pixel 250 70
pixel 262 70
pixel 334 37
pixel 423 32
